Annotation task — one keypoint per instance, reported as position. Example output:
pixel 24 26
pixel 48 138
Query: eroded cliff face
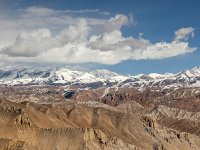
pixel 72 125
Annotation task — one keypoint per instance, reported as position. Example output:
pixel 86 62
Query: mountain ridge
pixel 97 78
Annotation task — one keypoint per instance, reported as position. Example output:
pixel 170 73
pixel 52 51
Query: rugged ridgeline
pixel 59 109
pixel 98 78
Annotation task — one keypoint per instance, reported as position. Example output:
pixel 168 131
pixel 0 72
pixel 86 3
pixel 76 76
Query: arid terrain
pixel 40 117
pixel 158 112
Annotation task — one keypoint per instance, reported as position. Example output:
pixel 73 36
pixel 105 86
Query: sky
pixel 127 37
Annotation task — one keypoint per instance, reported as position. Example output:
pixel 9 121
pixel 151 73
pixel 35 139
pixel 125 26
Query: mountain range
pixel 98 78
pixel 61 108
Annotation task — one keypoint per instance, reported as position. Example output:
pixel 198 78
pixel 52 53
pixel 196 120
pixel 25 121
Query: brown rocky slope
pixel 71 125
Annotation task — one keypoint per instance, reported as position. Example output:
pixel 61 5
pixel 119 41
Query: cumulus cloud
pixel 74 33
pixel 30 44
pixel 50 36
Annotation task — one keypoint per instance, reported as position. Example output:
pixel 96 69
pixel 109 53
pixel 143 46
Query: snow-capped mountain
pixel 97 78
pixel 49 76
pixel 187 78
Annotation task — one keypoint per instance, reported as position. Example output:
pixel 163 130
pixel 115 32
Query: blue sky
pixel 157 20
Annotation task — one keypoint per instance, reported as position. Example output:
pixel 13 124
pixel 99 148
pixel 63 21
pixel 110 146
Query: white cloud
pixel 50 36
pixel 163 50
pixel 74 33
pixel 30 44
pixel 40 11
pixel 115 23
pixel 83 11
pixel 36 10
pixel 184 33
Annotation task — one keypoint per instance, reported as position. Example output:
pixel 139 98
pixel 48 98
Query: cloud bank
pixel 45 35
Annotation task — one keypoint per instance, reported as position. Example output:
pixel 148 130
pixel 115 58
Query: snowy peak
pixel 160 76
pixel 97 78
pixel 190 75
pixel 56 76
pixel 195 72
